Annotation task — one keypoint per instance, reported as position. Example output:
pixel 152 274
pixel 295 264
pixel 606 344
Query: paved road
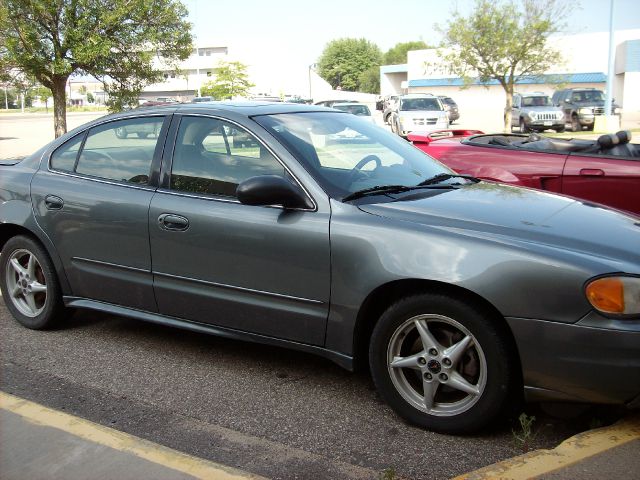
pixel 269 411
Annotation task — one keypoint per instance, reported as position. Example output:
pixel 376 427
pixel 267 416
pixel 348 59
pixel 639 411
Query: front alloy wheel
pixel 442 363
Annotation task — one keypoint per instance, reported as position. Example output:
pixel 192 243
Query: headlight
pixel 615 295
pixel 585 110
pixel 559 115
pixel 532 115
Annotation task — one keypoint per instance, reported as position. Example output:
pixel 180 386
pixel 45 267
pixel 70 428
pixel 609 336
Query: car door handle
pixel 53 202
pixel 592 172
pixel 170 221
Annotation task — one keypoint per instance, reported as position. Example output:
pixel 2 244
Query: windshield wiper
pixel 441 177
pixel 376 190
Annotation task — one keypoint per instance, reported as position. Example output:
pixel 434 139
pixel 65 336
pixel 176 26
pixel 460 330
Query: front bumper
pixel 595 360
pixel 545 124
pixel 408 127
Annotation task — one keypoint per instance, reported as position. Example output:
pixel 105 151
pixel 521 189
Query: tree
pixel 231 81
pixel 45 94
pixel 369 80
pixel 344 60
pixel 397 55
pixel 503 41
pixel 113 40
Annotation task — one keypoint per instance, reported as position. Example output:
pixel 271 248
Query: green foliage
pixel 503 40
pixel 113 40
pixel 525 435
pixel 369 80
pixel 343 61
pixel 44 93
pixel 90 97
pixel 10 98
pixel 397 55
pixel 231 81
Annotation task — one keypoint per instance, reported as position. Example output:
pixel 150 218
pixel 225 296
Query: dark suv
pixel 581 105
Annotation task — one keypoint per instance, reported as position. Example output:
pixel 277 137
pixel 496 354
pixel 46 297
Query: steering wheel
pixel 355 171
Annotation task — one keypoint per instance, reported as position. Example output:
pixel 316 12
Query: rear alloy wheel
pixel 440 363
pixel 29 284
pixel 575 124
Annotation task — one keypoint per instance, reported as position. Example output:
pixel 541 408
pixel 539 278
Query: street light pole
pixel 608 103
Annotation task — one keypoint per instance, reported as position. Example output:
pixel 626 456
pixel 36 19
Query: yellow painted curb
pixel 569 452
pixel 158 454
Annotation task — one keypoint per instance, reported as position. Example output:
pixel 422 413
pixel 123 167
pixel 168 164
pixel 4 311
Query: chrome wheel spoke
pixel 19 269
pixel 31 266
pixel 31 302
pixel 430 389
pixel 458 382
pixel 37 287
pixel 455 351
pixel 15 292
pixel 428 340
pixel 407 362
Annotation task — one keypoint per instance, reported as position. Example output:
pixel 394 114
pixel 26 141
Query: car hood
pixel 542 108
pixel 525 217
pixel 422 113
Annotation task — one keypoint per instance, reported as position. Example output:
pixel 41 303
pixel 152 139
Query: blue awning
pixel 594 77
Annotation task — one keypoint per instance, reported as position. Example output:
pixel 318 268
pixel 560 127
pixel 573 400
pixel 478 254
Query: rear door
pixel 264 270
pixel 610 180
pixel 92 199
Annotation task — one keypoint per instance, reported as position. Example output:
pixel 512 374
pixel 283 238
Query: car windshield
pixel 346 154
pixel 541 101
pixel 588 96
pixel 420 104
pixel 354 109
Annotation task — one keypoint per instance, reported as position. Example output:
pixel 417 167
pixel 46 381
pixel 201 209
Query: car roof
pixel 349 103
pixel 240 107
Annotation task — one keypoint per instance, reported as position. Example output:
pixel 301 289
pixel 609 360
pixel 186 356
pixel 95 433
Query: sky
pixel 281 38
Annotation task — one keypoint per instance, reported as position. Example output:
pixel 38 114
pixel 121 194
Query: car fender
pixel 495 174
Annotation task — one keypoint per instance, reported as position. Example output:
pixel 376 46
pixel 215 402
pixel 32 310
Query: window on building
pixel 213 156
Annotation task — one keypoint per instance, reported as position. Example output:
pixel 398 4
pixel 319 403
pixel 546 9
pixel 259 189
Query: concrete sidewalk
pixel 40 443
pixel 604 453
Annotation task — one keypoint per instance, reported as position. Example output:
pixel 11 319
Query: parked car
pixel 331 103
pixel 450 106
pixel 418 113
pixel 458 293
pixel 606 171
pixel 142 130
pixel 202 99
pixel 581 105
pixel 535 112
pixel 357 109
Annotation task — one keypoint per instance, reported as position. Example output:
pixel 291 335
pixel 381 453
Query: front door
pixel 256 269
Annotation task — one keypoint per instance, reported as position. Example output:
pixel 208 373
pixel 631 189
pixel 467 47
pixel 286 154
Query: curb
pixel 571 451
pixel 121 442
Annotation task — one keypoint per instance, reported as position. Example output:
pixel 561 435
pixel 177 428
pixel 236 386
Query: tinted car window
pixel 64 158
pixel 205 160
pixel 420 104
pixel 110 151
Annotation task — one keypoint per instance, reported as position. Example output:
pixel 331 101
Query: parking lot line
pixel 119 441
pixel 573 450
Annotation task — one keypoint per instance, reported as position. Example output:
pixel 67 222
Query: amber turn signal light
pixel 607 295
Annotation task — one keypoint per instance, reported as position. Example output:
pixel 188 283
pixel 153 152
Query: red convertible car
pixel 606 170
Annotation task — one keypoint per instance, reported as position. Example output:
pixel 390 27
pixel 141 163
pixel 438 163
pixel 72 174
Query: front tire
pixel 29 284
pixel 523 126
pixel 575 124
pixel 560 129
pixel 441 363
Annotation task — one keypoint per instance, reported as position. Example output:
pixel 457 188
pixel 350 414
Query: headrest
pixel 609 140
pixel 624 136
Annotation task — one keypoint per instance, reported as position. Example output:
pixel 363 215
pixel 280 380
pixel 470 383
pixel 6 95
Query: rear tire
pixel 30 285
pixel 441 363
pixel 575 124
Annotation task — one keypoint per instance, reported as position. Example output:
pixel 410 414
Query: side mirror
pixel 272 190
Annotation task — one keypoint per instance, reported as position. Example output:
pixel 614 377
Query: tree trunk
pixel 59 105
pixel 508 107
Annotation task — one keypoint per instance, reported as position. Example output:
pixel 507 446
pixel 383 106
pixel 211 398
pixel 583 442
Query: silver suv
pixel 535 112
pixel 418 113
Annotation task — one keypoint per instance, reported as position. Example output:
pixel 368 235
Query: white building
pixel 585 64
pixel 182 81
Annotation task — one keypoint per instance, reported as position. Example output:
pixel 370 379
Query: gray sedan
pixel 327 234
